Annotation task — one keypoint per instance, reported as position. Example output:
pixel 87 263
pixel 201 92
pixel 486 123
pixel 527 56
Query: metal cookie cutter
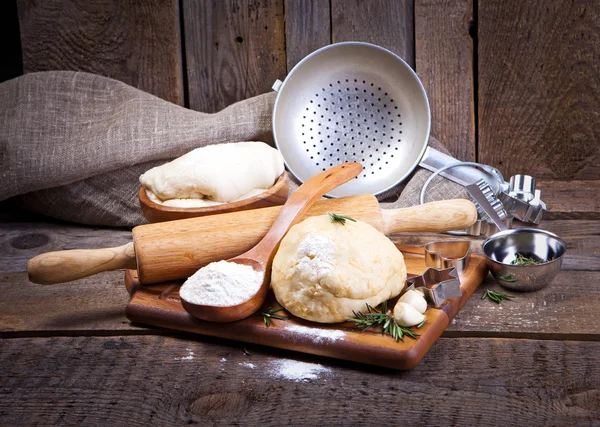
pixel 447 261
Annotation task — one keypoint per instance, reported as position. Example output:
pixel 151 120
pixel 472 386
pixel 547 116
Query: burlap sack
pixel 73 145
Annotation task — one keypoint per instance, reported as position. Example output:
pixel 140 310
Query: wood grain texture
pixel 162 306
pixel 93 305
pixel 571 199
pixel 234 49
pixel 136 42
pixel 564 310
pixel 539 93
pixel 386 23
pixel 307 28
pixel 444 63
pixel 169 381
pixel 20 241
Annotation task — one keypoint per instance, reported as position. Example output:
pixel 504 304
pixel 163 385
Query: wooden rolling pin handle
pixel 443 215
pixel 64 266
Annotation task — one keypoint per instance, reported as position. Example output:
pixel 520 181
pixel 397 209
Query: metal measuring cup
pixel 502 248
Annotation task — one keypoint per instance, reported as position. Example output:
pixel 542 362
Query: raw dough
pixel 219 173
pixel 324 271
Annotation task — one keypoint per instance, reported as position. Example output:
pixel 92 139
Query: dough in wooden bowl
pixel 323 270
pixel 214 174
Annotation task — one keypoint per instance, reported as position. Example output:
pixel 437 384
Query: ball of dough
pixel 323 271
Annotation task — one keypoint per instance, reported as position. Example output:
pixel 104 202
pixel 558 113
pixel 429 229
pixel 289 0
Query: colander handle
pixel 276 85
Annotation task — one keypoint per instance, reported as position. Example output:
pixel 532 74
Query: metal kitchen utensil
pixel 357 102
pixel 447 260
pixel 502 248
pixel 517 199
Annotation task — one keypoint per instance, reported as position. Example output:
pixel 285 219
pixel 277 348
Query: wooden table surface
pixel 69 355
pixel 512 84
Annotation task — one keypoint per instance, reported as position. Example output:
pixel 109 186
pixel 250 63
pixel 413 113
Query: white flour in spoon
pixel 221 284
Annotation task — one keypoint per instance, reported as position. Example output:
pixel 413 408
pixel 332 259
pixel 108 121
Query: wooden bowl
pixel 274 196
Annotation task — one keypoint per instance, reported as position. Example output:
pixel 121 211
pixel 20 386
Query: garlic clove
pixel 406 315
pixel 416 299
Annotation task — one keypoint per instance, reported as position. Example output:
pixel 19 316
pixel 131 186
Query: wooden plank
pixel 94 305
pixel 21 241
pixel 444 63
pixel 307 28
pixel 135 42
pixel 234 49
pixel 168 381
pixel 571 199
pixel 386 23
pixel 563 310
pixel 538 87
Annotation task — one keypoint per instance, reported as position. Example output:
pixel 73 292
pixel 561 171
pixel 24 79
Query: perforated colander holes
pixel 359 100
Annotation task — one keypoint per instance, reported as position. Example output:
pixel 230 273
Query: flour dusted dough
pixel 214 174
pixel 324 271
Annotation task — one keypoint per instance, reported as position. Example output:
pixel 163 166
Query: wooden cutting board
pixel 159 305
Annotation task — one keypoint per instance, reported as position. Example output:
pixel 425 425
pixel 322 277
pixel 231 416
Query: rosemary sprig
pixel 524 261
pixel 340 218
pixel 271 315
pixel 373 318
pixel 420 325
pixel 497 297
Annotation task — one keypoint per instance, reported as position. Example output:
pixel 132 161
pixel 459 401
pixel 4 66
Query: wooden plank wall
pixel 512 84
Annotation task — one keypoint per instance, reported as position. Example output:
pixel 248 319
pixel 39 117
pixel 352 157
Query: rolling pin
pixel 177 249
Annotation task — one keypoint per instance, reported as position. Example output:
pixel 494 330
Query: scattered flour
pixel 221 284
pixel 298 371
pixel 318 335
pixel 223 360
pixel 317 256
pixel 190 355
pixel 248 365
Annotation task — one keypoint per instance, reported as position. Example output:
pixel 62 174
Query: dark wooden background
pixel 514 84
pixel 511 83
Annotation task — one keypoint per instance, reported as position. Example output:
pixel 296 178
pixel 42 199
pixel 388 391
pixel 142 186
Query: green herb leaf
pixel 523 260
pixel 420 325
pixel 340 218
pixel 509 278
pixel 497 297
pixel 271 315
pixel 246 352
pixel 374 318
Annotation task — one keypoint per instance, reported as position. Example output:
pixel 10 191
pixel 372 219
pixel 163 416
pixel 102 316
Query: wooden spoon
pixel 260 257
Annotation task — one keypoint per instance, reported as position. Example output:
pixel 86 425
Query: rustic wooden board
pixel 165 381
pixel 307 28
pixel 160 305
pixel 444 63
pixel 234 49
pixel 385 23
pixel 539 95
pixel 135 42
